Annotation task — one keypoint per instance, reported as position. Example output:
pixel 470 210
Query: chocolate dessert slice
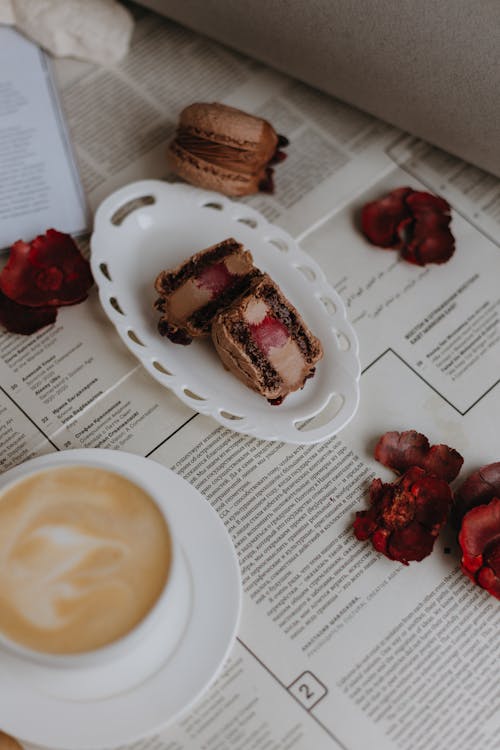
pixel 262 339
pixel 193 293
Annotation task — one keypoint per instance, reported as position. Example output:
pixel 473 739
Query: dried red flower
pixel 49 271
pixel 380 219
pixel 477 515
pixel 405 517
pixel 415 222
pixel 22 319
pixel 478 489
pixel 479 539
pixel 401 450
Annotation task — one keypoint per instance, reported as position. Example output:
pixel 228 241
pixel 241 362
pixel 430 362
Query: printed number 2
pixel 307 691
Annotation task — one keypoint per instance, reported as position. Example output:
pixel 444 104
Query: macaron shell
pixel 209 176
pixel 228 125
pixel 8 743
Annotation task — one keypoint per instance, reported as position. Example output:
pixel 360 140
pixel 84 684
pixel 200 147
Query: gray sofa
pixel 431 68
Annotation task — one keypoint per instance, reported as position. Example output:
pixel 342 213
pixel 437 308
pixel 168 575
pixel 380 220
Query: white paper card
pixel 39 183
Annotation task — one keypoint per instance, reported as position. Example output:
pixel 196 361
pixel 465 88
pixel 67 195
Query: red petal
pixel 428 246
pixel 480 528
pixel 433 502
pixel 420 202
pixel 412 542
pixel 364 525
pixel 401 450
pixel 479 539
pixel 431 221
pixel 21 319
pixel 380 538
pixel 492 556
pixel 443 462
pixel 478 489
pixel 414 221
pixel 427 239
pixel 380 219
pixel 489 580
pixel 48 271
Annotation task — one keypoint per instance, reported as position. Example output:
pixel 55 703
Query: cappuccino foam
pixel 84 555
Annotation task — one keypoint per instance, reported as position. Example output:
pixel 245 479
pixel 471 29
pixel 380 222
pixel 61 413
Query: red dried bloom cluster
pixel 39 277
pixel 477 515
pixel 412 221
pixel 405 517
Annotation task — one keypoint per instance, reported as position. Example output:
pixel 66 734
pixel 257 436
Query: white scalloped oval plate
pixel 151 225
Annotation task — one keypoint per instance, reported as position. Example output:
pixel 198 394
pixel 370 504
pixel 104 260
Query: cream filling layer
pixel 188 298
pixel 289 363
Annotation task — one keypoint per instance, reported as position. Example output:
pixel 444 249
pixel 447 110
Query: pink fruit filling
pixel 214 278
pixel 269 333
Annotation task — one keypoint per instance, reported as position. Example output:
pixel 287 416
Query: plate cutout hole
pixel 129 207
pixel 228 415
pixel 343 341
pixel 248 221
pixel 103 268
pixel 327 413
pixel 214 206
pixel 134 337
pixel 280 244
pixel 329 305
pixel 115 305
pixel 160 368
pixel 308 272
pixel 195 396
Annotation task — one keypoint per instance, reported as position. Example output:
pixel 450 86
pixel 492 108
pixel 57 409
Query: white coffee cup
pixel 42 537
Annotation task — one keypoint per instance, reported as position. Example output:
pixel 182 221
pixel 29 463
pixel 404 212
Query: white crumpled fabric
pixel 94 30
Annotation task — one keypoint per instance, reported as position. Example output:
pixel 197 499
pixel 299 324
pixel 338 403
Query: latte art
pixel 84 556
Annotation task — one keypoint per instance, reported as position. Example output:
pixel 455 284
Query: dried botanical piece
pixel 415 222
pixel 477 514
pixel 406 516
pixel 49 271
pixel 22 319
pixel 478 489
pixel 380 219
pixel 425 235
pixel 401 450
pixel 479 539
pixel 38 277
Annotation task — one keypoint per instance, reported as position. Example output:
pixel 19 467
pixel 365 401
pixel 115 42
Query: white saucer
pixel 149 226
pixel 39 710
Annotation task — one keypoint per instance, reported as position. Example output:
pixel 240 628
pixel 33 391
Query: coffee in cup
pixel 85 554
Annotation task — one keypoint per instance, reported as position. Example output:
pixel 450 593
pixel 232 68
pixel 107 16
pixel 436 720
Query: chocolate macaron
pixel 224 149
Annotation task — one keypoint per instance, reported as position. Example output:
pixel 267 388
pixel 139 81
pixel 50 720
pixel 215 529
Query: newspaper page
pixel 338 647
